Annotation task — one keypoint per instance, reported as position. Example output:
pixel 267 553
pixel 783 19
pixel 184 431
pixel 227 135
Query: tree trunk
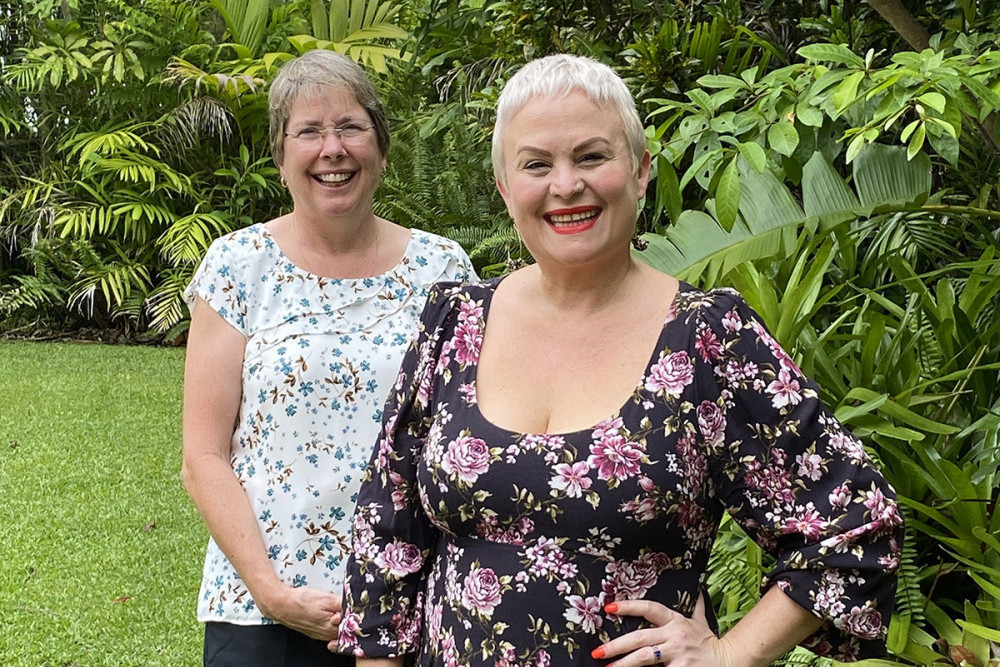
pixel 903 22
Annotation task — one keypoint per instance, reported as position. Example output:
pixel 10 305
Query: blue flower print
pixel 315 373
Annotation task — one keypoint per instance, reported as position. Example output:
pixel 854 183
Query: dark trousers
pixel 228 645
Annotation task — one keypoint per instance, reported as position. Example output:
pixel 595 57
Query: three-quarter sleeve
pixel 798 482
pixel 392 536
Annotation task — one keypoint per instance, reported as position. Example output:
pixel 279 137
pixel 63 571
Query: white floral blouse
pixel 321 355
pixel 476 546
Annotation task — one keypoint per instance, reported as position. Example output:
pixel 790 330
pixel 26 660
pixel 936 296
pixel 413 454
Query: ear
pixel 642 174
pixel 504 193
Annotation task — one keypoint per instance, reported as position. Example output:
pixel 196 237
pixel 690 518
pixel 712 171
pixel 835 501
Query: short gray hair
pixel 557 76
pixel 311 72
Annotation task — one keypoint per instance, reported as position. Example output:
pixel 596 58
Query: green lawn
pixel 100 548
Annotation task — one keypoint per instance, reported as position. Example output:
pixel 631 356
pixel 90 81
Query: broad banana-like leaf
pixel 353 27
pixel 697 248
pixel 246 20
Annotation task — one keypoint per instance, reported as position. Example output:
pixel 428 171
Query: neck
pixel 336 238
pixel 585 290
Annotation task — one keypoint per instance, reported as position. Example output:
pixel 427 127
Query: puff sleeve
pixel 797 481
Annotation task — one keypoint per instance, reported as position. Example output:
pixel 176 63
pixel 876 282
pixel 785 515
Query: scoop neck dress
pixel 476 545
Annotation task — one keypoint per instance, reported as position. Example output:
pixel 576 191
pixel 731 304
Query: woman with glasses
pixel 298 327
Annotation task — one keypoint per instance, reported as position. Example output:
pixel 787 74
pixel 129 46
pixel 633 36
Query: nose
pixel 333 145
pixel 565 182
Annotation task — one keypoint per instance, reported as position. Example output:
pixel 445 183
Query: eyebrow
pixel 311 122
pixel 579 148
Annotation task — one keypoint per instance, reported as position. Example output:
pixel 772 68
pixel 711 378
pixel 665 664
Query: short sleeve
pixel 221 281
pixel 798 482
pixel 392 536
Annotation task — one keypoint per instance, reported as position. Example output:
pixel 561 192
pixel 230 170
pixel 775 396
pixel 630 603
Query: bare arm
pixel 379 662
pixel 771 628
pixel 212 393
pixel 775 624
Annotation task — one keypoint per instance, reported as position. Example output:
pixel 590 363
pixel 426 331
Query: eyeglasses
pixel 351 133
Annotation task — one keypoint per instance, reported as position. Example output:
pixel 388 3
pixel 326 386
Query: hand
pixel 676 640
pixel 312 612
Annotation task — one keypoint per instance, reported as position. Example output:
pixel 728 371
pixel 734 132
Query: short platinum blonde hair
pixel 309 74
pixel 557 76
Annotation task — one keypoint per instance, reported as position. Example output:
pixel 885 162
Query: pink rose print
pixel 481 591
pixel 628 580
pixel 468 339
pixel 349 626
pixel 786 390
pixel 671 374
pixel 571 479
pixel 614 457
pixel 400 559
pixel 585 613
pixel 711 422
pixel 865 622
pixel 468 457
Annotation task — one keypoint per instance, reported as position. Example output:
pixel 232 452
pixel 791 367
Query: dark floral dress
pixel 474 545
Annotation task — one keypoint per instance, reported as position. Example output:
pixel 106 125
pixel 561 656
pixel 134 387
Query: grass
pixel 100 548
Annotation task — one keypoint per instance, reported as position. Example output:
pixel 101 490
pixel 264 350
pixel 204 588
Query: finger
pixel 640 654
pixel 699 610
pixel 654 612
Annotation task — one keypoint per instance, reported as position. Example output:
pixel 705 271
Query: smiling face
pixel 571 187
pixel 329 178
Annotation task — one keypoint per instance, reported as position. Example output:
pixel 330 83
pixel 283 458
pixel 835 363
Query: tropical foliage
pixel 835 161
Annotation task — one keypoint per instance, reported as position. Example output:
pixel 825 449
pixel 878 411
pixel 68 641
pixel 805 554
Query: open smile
pixel 573 220
pixel 334 179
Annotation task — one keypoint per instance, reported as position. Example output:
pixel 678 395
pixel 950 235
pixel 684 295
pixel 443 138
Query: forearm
pixel 229 517
pixel 379 662
pixel 769 630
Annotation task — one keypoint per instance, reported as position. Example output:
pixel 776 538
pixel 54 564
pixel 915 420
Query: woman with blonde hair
pixel 561 443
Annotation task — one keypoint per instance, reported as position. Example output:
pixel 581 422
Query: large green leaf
pixel 884 176
pixel 770 217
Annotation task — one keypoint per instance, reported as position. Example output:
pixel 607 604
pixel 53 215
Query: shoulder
pixel 244 241
pixel 433 244
pixel 452 293
pixel 712 306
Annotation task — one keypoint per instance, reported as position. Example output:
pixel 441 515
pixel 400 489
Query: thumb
pixel 698 614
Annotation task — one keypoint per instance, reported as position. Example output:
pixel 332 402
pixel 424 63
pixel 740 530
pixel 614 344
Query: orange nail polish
pixel 598 653
pixel 611 607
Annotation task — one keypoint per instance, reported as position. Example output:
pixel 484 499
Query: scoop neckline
pixel 653 358
pixel 395 267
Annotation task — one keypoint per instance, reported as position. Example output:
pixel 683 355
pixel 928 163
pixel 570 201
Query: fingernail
pixel 611 607
pixel 598 653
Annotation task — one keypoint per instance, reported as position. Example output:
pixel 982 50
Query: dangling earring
pixel 283 182
pixel 638 242
pixel 514 263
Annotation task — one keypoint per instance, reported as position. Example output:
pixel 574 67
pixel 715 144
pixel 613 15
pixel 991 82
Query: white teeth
pixel 333 178
pixel 572 217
